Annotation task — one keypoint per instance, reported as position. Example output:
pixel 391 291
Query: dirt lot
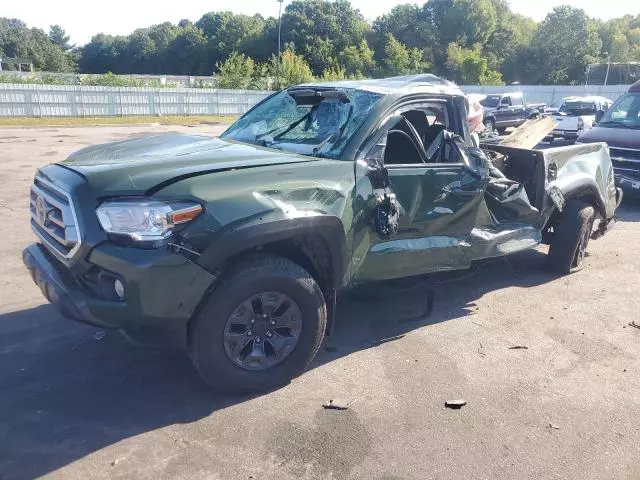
pixel 74 404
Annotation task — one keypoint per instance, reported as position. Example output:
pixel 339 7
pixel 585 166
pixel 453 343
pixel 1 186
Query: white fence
pixel 77 101
pixel 551 94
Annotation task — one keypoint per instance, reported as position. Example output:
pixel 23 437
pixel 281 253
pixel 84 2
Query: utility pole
pixel 280 28
pixel 606 77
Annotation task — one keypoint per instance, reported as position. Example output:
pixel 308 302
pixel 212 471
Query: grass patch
pixel 133 120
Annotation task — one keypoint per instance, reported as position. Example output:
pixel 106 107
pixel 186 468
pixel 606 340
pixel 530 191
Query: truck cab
pixel 577 115
pixel 619 127
pixel 507 110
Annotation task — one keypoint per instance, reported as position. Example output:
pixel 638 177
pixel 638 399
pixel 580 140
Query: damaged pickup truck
pixel 237 247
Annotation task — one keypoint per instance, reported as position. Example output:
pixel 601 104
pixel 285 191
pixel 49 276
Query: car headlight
pixel 145 221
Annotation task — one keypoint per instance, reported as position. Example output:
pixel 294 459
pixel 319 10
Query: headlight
pixel 145 221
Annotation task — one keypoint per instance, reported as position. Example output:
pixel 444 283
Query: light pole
pixel 606 77
pixel 280 28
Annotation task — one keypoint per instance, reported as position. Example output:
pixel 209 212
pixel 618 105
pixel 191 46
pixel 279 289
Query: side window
pixel 517 101
pixel 506 101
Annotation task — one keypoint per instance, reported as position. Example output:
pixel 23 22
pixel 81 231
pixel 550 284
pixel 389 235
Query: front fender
pixel 260 232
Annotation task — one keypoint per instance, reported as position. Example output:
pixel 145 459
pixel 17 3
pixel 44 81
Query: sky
pixel 82 19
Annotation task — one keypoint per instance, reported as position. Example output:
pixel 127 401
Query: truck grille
pixel 53 218
pixel 626 161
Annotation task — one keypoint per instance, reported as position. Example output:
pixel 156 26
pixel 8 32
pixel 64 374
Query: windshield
pixel 491 101
pixel 321 122
pixel 625 112
pixel 578 108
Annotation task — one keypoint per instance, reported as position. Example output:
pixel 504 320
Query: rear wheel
pixel 260 328
pixel 502 131
pixel 571 237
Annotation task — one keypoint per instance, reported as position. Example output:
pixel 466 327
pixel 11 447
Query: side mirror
pixel 599 115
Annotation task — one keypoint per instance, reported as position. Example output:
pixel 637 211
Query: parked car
pixel 506 110
pixel 576 115
pixel 237 247
pixel 619 127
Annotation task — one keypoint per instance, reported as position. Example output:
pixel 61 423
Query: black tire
pixel 571 237
pixel 257 275
pixel 502 131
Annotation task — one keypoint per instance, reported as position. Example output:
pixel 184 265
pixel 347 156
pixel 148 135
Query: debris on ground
pixel 519 347
pixel 455 404
pixel 554 426
pixel 335 404
pixel 634 325
pixel 99 335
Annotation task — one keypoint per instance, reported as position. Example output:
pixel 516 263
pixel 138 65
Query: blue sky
pixel 83 19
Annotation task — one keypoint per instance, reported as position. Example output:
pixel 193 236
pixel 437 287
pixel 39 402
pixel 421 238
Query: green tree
pixel 620 48
pixel 469 66
pixel 289 69
pixel 567 40
pixel 400 60
pixel 357 61
pixel 333 74
pixel 237 71
pixel 59 37
pixel 321 29
pixel 465 22
pixel 17 40
pixel 187 53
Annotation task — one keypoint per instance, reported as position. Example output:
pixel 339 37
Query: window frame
pixel 382 130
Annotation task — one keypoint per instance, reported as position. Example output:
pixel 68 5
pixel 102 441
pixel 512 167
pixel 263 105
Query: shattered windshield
pixel 310 121
pixel 624 113
pixel 491 101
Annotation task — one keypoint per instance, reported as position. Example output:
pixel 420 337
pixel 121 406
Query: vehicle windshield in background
pixel 624 113
pixel 491 101
pixel 311 121
pixel 576 109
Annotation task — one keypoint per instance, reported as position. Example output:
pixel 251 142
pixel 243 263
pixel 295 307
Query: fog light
pixel 118 286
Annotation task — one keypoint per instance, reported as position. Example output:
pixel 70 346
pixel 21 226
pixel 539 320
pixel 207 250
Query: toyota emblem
pixel 41 211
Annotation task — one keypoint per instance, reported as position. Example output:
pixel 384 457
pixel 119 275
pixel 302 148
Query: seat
pixel 420 122
pixel 401 149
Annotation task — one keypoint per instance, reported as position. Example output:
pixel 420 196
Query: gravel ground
pixel 76 404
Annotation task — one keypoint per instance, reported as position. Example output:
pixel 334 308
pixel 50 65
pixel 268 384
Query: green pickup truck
pixel 237 247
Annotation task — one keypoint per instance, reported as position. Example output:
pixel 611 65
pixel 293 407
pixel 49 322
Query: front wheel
pixel 571 237
pixel 260 328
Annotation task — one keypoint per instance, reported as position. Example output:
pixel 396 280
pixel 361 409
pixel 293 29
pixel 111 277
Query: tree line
pixel 468 41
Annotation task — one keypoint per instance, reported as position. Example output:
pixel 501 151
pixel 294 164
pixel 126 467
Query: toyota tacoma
pixel 237 247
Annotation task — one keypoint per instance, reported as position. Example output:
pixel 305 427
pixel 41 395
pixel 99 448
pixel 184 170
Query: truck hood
pixel 614 137
pixel 141 165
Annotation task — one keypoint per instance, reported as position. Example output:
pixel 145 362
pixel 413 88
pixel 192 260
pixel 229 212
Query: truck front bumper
pixel 161 289
pixel 629 183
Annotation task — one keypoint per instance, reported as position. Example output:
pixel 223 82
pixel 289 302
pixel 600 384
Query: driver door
pixel 438 206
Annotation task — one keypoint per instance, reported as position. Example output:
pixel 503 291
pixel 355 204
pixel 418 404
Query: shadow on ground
pixel 629 209
pixel 65 392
